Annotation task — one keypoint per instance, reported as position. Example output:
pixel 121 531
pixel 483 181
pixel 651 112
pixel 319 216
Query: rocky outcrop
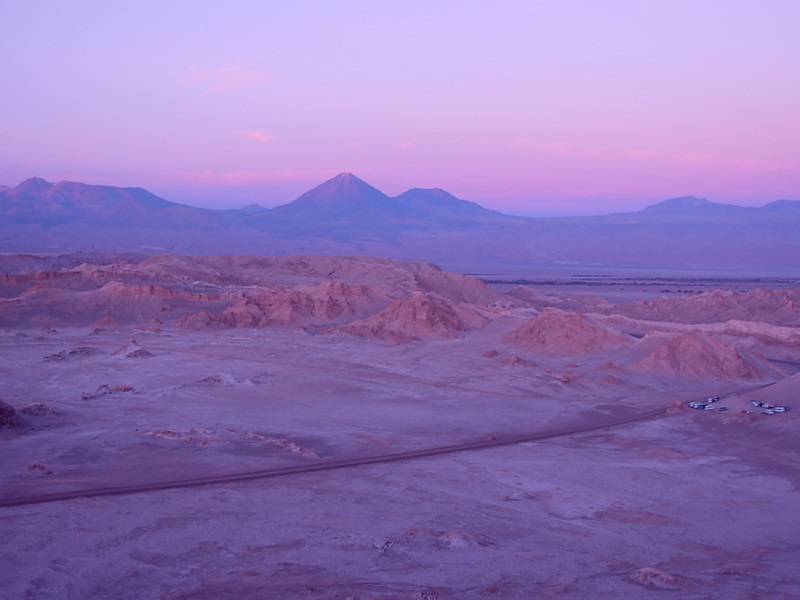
pixel 244 313
pixel 514 360
pixel 570 302
pixel 156 291
pixel 775 307
pixel 326 303
pixel 72 354
pixel 201 320
pixel 700 355
pixel 419 317
pixel 8 416
pixel 132 350
pixel 656 579
pixel 558 332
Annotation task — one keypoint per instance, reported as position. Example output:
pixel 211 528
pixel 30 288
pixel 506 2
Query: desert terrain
pixel 323 427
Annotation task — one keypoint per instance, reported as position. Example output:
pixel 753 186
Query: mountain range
pixel 346 215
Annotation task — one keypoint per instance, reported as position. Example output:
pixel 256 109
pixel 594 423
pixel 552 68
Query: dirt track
pixel 327 465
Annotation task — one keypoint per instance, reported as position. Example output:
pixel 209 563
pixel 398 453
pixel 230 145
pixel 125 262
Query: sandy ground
pixel 693 505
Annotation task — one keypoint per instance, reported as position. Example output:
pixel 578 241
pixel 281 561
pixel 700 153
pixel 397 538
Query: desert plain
pixel 257 428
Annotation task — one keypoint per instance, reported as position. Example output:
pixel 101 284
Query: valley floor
pixel 691 505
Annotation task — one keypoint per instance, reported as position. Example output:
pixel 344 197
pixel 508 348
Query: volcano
pixel 345 198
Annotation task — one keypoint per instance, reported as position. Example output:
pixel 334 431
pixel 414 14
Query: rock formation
pixel 8 415
pixel 420 317
pixel 699 355
pixel 558 332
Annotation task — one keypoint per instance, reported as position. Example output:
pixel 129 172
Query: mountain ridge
pixel 346 215
pixel 341 198
pixel 346 186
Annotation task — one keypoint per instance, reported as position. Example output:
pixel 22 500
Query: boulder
pixel 8 415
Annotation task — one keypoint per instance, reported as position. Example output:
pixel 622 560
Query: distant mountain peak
pixel 345 187
pixel 347 215
pixel 344 197
pixel 688 205
pixel 681 202
pixel 33 185
pixel 347 181
pixel 783 205
pixel 36 200
pixel 431 191
pixel 439 203
pixel 347 199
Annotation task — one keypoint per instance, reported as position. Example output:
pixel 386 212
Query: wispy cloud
pixel 217 178
pixel 401 144
pixel 697 158
pixel 556 148
pixel 642 154
pixel 234 76
pixel 259 136
pixel 766 166
pixel 212 178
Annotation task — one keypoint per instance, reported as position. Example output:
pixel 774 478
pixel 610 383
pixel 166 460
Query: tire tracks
pixel 327 465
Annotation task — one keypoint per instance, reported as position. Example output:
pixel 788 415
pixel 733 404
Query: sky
pixel 532 107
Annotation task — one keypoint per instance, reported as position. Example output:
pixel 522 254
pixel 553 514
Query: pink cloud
pixel 211 178
pixel 699 158
pixel 259 136
pixel 642 154
pixel 235 76
pixel 215 178
pixel 402 144
pixel 766 166
pixel 556 148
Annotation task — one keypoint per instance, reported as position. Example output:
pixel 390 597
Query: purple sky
pixel 529 107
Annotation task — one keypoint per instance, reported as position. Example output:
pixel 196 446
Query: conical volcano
pixel 345 198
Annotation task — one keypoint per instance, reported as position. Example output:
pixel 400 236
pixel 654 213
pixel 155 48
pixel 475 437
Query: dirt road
pixel 329 465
